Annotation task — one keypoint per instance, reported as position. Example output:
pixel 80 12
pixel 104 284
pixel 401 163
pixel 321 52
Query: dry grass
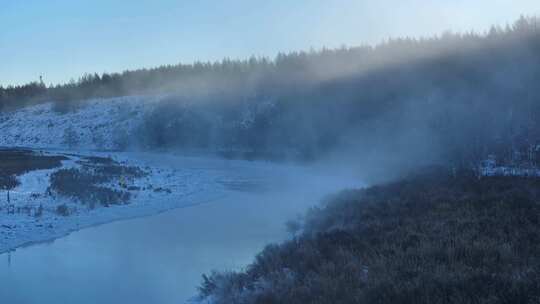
pixel 15 162
pixel 90 184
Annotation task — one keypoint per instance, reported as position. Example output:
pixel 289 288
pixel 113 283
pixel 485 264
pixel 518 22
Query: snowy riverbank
pixel 198 181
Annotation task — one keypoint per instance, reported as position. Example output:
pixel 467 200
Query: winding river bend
pixel 160 259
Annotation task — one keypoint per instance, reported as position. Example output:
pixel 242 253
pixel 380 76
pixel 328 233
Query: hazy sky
pixel 61 39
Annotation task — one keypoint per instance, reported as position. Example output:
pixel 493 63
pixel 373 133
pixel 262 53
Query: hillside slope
pixel 99 124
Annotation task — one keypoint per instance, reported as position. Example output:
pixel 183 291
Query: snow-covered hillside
pixel 143 122
pixel 99 124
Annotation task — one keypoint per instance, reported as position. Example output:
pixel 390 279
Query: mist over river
pixel 160 258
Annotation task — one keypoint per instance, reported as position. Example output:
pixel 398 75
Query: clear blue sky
pixel 61 39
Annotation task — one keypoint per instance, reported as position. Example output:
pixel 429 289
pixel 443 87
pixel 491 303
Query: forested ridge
pixel 457 98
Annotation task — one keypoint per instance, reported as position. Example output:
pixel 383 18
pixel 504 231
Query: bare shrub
pixel 62 210
pixel 83 185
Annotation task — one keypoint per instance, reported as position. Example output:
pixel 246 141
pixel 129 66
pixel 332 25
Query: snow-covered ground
pixel 95 125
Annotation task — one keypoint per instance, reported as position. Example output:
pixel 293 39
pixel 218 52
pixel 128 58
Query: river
pixel 160 258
